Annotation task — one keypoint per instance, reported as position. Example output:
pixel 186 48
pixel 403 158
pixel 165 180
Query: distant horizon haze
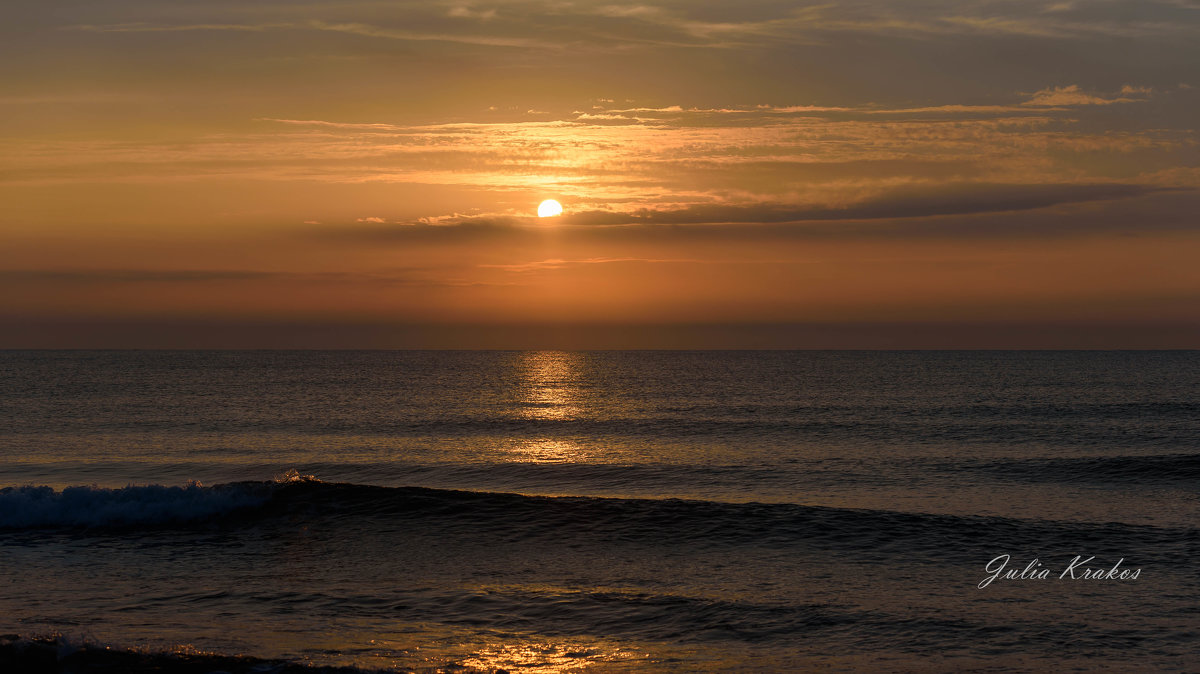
pixel 164 334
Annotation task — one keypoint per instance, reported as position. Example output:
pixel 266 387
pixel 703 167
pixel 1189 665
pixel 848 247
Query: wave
pixel 506 517
pixel 29 507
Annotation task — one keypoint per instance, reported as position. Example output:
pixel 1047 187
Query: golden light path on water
pixel 550 386
pixel 550 390
pixel 464 652
pixel 545 658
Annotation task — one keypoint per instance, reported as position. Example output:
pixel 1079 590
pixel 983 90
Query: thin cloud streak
pixel 161 276
pixel 351 28
pixel 556 264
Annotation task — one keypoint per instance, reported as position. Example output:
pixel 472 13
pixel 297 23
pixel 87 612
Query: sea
pixel 463 511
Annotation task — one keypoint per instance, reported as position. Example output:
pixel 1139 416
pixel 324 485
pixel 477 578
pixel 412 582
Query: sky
pixel 752 174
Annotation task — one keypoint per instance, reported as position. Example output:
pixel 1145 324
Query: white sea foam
pixel 292 476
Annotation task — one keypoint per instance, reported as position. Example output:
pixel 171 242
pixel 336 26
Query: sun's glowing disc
pixel 549 208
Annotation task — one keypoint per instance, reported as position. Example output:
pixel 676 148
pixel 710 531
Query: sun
pixel 549 208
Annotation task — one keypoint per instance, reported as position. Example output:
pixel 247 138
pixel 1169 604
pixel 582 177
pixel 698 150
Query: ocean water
pixel 608 511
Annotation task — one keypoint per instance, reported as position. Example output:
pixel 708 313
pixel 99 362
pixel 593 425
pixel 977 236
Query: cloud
pixel 640 153
pixel 348 27
pixel 1130 90
pixel 432 229
pixel 406 277
pixel 486 40
pixel 911 202
pixel 955 211
pixel 337 125
pixel 140 27
pixel 132 275
pixel 668 26
pixel 555 263
pixel 466 12
pixel 78 98
pixel 1073 95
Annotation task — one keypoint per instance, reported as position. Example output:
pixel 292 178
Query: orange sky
pixel 762 174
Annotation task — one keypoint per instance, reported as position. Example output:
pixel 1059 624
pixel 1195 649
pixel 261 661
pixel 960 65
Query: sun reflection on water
pixel 551 385
pixel 546 450
pixel 550 389
pixel 543 658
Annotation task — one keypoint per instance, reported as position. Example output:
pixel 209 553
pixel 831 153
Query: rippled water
pixel 544 511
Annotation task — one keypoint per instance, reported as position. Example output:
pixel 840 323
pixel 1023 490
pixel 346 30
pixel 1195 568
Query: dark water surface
pixel 551 511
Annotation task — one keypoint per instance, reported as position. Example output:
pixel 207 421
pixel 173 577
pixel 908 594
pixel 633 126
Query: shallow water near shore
pixel 611 511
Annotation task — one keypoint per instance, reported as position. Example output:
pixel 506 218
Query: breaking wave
pixel 870 534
